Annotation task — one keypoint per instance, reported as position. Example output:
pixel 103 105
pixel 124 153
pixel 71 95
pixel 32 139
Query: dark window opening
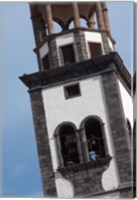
pixel 94 137
pixel 72 91
pixel 68 145
pixel 68 54
pixel 95 49
pixel 45 62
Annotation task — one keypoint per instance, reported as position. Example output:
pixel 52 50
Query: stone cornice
pixel 78 71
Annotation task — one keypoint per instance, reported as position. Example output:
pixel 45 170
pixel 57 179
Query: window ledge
pixel 102 162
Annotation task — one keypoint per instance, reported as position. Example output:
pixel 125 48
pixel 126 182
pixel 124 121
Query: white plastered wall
pixel 91 102
pixel 127 103
pixel 60 41
pixel 65 39
pixel 44 50
pixel 95 37
pixel 110 44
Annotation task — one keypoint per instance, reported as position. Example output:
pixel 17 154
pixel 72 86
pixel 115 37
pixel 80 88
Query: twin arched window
pixel 76 146
pixel 68 145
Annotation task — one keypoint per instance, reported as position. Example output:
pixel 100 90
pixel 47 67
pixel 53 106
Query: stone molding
pixel 81 70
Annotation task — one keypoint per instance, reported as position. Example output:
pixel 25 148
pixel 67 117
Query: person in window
pixel 93 147
pixel 93 155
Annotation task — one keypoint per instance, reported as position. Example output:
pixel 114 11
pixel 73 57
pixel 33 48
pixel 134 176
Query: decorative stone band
pixel 102 162
pixel 85 69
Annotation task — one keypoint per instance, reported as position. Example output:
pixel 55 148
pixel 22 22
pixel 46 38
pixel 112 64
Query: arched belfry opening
pixel 83 23
pixel 94 137
pixel 67 12
pixel 68 145
pixel 66 142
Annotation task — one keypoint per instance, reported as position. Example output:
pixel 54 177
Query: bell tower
pixel 79 101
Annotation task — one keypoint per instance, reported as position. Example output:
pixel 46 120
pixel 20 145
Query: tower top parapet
pixel 95 15
pixel 87 39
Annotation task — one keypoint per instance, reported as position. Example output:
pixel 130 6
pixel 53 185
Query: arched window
pixel 94 137
pixel 68 145
pixel 71 25
pixel 57 27
pixel 83 23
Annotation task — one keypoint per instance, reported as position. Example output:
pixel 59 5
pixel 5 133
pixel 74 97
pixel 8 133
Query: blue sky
pixel 21 175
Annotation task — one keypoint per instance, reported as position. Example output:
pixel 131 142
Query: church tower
pixel 81 103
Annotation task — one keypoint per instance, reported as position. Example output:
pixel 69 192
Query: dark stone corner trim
pixel 77 71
